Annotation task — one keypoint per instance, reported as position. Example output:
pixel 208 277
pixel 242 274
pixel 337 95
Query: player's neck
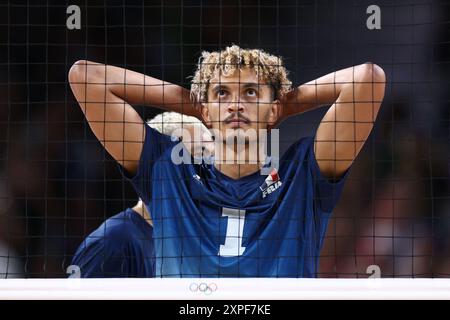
pixel 142 211
pixel 237 162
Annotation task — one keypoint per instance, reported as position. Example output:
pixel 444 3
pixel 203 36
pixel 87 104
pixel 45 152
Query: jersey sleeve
pixel 326 191
pixel 155 144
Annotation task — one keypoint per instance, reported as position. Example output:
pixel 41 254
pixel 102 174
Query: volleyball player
pixel 225 219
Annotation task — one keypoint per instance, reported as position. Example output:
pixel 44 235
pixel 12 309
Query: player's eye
pixel 251 93
pixel 221 93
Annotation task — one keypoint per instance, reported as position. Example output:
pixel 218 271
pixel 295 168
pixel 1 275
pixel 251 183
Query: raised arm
pixel 106 93
pixel 356 94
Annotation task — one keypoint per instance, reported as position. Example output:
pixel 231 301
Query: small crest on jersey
pixel 271 183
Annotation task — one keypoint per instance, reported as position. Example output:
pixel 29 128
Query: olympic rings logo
pixel 203 287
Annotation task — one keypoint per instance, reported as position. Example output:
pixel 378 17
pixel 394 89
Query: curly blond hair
pixel 268 67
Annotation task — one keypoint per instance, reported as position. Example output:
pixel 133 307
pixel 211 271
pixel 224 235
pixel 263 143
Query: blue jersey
pixel 121 247
pixel 207 224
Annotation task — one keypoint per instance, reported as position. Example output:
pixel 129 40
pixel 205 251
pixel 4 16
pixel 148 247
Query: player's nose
pixel 236 106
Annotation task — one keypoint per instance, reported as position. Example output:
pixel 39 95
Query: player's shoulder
pixel 162 140
pixel 113 236
pixel 157 143
pixel 123 224
pixel 117 228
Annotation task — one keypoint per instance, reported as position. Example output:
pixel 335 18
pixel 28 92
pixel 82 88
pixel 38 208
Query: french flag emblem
pixel 271 183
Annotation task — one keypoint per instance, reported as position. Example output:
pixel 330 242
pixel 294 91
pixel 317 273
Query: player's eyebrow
pixel 251 85
pixel 218 87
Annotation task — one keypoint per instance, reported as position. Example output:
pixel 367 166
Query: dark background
pixel 57 184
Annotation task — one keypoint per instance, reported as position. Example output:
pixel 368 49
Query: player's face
pixel 198 143
pixel 240 102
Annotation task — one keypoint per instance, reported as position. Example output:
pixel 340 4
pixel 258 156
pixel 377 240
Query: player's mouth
pixel 236 122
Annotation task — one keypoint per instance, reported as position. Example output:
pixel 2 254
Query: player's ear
pixel 274 113
pixel 205 115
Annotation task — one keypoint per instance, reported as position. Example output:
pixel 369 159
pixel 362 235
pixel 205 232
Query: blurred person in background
pixel 123 245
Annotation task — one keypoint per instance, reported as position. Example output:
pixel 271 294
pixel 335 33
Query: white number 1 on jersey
pixel 235 227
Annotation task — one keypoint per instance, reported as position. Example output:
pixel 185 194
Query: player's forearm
pixel 132 87
pixel 327 89
pixel 115 123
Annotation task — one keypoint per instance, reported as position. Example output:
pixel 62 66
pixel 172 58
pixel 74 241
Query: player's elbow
pixel 372 81
pixel 371 72
pixel 84 71
pixel 77 73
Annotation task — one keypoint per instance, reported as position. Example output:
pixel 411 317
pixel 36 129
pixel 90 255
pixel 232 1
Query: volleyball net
pixel 58 183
